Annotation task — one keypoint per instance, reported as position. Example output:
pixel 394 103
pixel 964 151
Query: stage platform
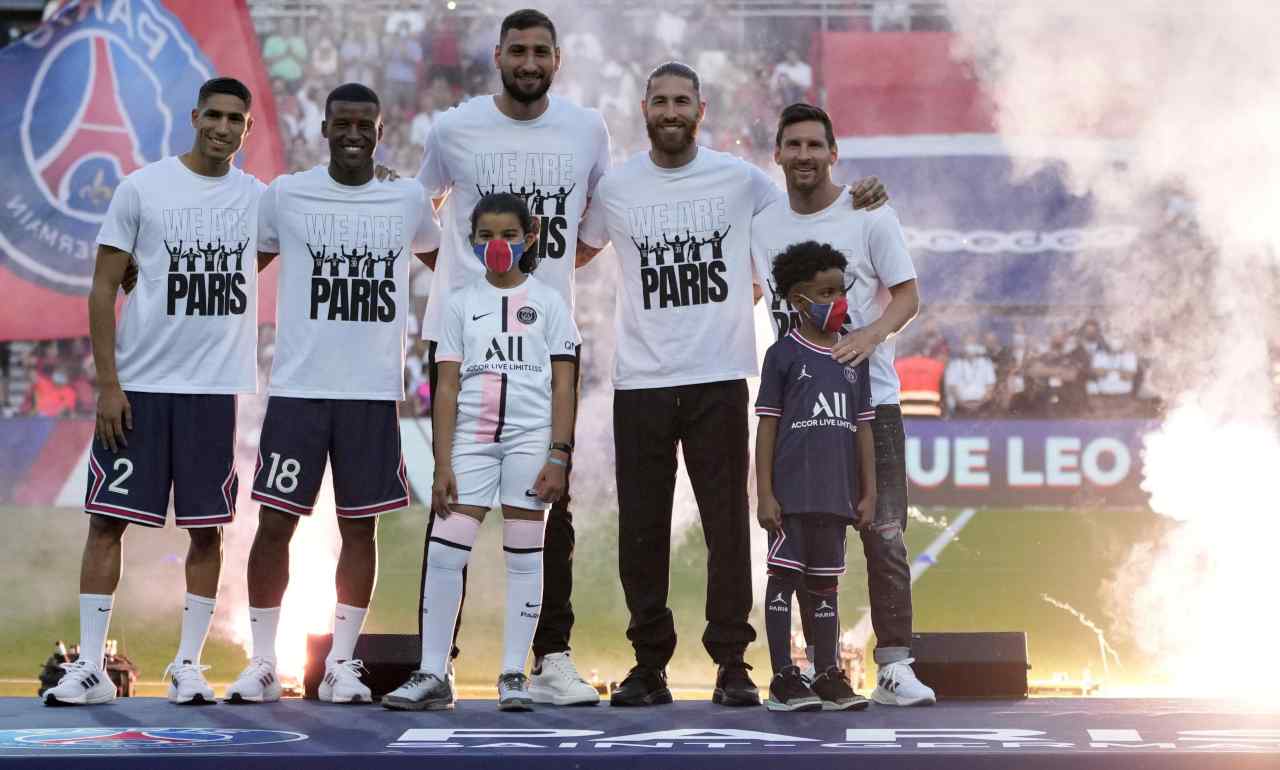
pixel 150 734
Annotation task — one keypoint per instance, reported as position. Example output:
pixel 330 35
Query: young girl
pixel 503 420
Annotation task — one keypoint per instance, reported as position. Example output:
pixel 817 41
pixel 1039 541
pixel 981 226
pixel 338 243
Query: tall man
pixel 883 298
pixel 337 375
pixel 186 344
pixel 552 153
pixel 685 346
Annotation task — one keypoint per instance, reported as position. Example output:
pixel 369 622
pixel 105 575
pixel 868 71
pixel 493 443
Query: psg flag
pixel 101 89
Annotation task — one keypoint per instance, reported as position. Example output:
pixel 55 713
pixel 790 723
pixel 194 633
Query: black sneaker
pixel 832 686
pixel 789 691
pixel 643 686
pixel 734 686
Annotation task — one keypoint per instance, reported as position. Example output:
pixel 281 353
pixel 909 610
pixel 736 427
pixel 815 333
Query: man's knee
pixel 359 532
pixel 822 585
pixel 275 527
pixel 206 539
pixel 106 530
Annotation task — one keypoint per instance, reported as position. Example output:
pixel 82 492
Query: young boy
pixel 815 473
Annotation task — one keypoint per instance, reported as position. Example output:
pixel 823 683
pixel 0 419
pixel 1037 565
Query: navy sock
pixel 777 619
pixel 826 627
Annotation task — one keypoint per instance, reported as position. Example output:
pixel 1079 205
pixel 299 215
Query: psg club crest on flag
pixel 112 84
pixel 135 738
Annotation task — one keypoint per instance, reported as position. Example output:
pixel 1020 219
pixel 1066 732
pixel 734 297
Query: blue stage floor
pixel 148 733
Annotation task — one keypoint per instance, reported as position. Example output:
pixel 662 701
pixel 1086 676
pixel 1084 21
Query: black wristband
pixel 560 446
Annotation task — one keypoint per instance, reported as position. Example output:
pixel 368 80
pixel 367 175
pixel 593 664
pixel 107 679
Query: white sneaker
pixel 341 683
pixel 84 684
pixel 423 692
pixel 258 683
pixel 187 684
pixel 897 685
pixel 556 680
pixel 513 692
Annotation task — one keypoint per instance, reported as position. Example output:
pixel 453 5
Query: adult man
pixel 185 346
pixel 336 377
pixel 970 379
pixel 552 153
pixel 883 298
pixel 685 346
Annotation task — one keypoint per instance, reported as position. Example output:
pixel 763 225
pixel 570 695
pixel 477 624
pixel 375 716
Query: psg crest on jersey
pixel 112 84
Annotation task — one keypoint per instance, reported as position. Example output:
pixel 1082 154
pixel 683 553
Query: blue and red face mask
pixel 499 255
pixel 829 317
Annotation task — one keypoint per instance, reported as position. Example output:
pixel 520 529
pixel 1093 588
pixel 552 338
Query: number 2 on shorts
pixel 283 476
pixel 117 485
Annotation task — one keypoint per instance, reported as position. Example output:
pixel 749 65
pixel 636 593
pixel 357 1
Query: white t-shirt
pixel 191 323
pixel 682 235
pixel 1108 368
pixel 554 161
pixel 343 297
pixel 505 341
pixel 872 242
pixel 968 377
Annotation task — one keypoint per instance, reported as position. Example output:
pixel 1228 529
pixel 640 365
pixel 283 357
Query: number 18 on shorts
pixel 359 439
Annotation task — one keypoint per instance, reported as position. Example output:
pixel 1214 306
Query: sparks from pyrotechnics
pixel 1104 649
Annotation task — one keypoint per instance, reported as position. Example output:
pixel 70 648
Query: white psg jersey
pixel 505 341
pixel 191 325
pixel 343 294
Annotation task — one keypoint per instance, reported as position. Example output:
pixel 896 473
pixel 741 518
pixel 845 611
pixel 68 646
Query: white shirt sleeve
pixel 123 219
pixel 427 237
pixel 268 228
pixel 434 174
pixel 594 228
pixel 449 346
pixel 887 247
pixel 601 162
pixel 562 333
pixel 763 190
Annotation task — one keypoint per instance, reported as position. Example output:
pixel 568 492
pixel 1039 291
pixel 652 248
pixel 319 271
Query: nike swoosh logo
pixel 531 606
pixel 482 315
pixel 102 610
pixel 341 617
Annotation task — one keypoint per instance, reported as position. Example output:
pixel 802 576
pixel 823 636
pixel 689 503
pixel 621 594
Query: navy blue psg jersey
pixel 818 402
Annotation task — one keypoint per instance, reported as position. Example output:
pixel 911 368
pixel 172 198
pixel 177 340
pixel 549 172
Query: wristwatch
pixel 562 447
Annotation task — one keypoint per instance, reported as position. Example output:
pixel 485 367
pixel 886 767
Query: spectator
pixel 970 380
pixel 311 113
pixel 933 343
pixel 400 78
pixel 324 59
pixel 921 384
pixel 792 78
pixel 420 127
pixel 285 54
pixel 52 394
pixel 360 52
pixel 1056 380
pixel 891 16
pixel 1113 373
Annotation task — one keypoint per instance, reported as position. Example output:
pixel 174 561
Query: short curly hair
pixel 801 262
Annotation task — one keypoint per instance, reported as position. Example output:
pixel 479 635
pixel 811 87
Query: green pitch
pixel 990 578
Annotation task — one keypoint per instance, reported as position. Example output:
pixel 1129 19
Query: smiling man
pixel 185 345
pixel 344 240
pixel 882 298
pixel 551 153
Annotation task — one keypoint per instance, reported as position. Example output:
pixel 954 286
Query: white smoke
pixel 1187 89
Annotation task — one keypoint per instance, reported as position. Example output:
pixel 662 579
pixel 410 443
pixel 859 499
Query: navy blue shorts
pixel 809 543
pixel 361 441
pixel 180 442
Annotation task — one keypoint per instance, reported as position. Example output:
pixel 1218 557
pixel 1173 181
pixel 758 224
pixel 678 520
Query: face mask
pixel 499 255
pixel 829 317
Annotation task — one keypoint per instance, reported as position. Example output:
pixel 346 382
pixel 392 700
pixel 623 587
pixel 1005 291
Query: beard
pixel 672 144
pixel 512 87
pixel 809 185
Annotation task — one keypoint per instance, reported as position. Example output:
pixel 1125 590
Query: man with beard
pixel 685 346
pixel 552 153
pixel 882 298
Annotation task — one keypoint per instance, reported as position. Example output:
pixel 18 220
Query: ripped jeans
pixel 888 569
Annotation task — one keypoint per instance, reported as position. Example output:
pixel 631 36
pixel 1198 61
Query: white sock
pixel 347 622
pixel 447 554
pixel 95 618
pixel 197 614
pixel 263 622
pixel 522 544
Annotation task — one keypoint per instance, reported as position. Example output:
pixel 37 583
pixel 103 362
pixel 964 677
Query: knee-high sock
pixel 197 614
pixel 447 553
pixel 522 544
pixel 777 616
pixel 95 617
pixel 263 622
pixel 825 622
